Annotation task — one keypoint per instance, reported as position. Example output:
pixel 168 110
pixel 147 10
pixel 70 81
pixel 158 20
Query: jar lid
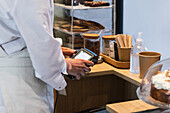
pixel 109 37
pixel 90 35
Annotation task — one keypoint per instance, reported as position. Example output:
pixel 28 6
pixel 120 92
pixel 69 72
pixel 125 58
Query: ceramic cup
pixel 146 59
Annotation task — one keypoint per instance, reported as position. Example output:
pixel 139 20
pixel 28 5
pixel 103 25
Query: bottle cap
pixel 139 40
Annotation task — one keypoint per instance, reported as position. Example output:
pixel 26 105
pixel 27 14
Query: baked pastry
pixel 61 22
pixel 160 86
pixel 58 23
pixel 78 27
pixel 80 30
pixel 103 3
pixel 87 3
pixel 96 3
pixel 65 26
pixel 82 1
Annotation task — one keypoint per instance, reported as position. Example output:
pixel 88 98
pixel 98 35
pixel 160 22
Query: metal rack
pixel 72 10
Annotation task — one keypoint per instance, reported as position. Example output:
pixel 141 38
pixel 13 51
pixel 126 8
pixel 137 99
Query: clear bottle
pixel 134 54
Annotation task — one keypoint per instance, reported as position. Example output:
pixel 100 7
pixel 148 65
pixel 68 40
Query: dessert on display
pixel 96 3
pixel 79 25
pixel 155 85
pixel 160 86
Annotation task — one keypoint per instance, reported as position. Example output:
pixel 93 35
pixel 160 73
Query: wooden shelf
pixel 81 7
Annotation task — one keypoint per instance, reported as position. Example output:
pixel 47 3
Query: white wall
pixel 152 17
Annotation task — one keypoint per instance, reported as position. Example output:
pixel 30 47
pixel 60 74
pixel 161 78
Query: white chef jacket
pixel 30 23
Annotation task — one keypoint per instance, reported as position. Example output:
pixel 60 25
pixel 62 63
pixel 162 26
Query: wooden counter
pixel 103 85
pixel 106 69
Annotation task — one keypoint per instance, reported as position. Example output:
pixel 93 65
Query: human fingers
pixel 78 72
pixel 83 64
pixel 87 69
pixel 78 76
pixel 65 48
pixel 82 72
pixel 87 62
pixel 68 52
pixel 83 67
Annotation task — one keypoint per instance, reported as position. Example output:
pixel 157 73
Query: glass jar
pixel 92 42
pixel 108 45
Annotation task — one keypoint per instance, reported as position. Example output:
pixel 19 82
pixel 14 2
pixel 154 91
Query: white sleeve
pixel 34 21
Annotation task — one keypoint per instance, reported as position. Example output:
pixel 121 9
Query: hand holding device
pixel 80 62
pixel 77 67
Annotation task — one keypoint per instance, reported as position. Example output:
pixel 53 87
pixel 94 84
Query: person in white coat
pixel 31 60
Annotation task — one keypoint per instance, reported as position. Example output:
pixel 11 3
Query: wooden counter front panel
pixel 93 92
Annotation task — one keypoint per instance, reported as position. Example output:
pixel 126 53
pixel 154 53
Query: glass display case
pixel 72 18
pixel 155 86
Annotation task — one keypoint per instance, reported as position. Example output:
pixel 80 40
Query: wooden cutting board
pixel 135 106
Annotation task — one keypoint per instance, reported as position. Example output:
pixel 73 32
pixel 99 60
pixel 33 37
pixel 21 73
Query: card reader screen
pixel 82 55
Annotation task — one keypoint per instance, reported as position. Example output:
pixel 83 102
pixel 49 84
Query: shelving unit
pixel 72 10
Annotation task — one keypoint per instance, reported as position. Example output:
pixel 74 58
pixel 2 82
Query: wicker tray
pixel 115 63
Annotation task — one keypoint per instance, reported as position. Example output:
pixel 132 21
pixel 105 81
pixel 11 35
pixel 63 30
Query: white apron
pixel 21 91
